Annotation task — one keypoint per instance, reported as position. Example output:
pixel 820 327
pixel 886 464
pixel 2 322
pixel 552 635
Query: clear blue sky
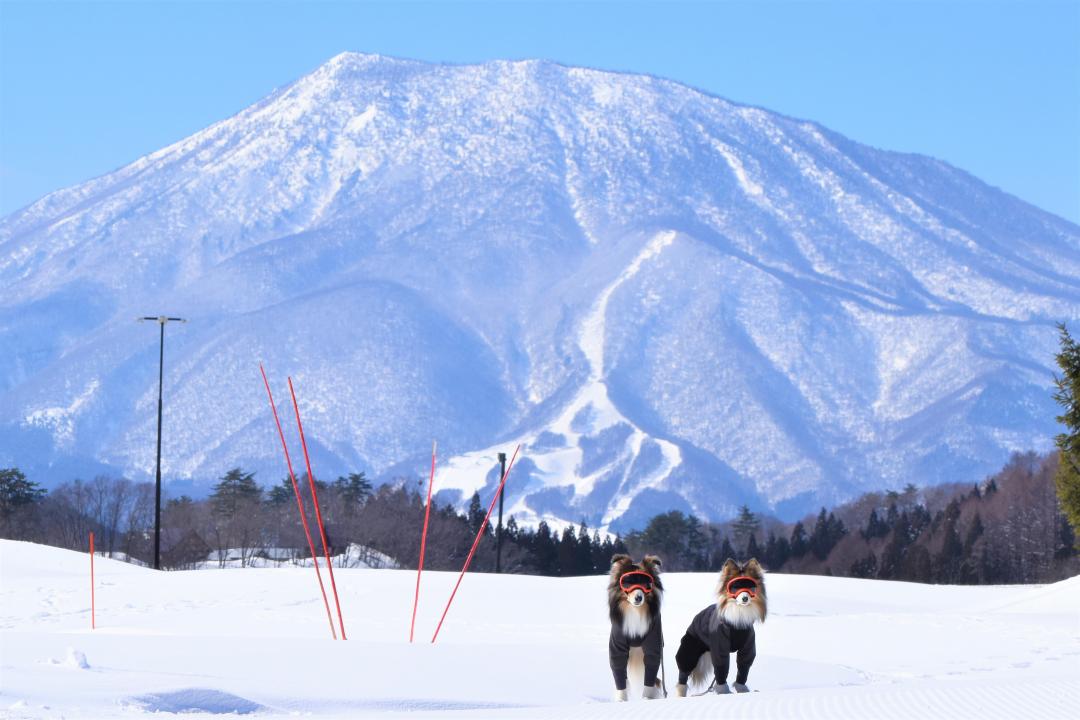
pixel 992 87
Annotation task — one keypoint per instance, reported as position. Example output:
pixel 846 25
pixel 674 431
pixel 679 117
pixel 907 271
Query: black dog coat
pixel 708 633
pixel 651 644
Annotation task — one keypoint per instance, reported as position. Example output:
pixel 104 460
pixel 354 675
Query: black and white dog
pixel 725 627
pixel 637 639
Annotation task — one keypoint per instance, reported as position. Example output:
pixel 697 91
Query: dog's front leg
pixel 618 654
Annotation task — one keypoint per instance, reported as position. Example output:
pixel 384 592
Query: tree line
pixel 1010 528
pixel 1006 529
pixel 242 522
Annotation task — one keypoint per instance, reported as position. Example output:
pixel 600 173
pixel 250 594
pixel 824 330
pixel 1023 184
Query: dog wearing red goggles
pixel 636 642
pixel 723 628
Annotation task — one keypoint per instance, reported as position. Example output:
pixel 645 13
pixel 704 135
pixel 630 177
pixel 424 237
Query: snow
pixel 592 402
pixel 211 642
pixel 61 419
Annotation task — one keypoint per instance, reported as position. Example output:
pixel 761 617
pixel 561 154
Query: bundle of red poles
pixel 322 529
pixel 300 506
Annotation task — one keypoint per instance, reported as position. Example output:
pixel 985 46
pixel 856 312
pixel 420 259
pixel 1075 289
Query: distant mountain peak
pixel 672 301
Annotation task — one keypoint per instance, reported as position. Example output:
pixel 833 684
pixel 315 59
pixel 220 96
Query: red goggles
pixel 742 584
pixel 636 580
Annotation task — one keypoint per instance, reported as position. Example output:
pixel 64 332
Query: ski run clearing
pixel 239 641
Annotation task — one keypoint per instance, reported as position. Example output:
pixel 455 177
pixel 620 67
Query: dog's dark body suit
pixel 708 633
pixel 651 644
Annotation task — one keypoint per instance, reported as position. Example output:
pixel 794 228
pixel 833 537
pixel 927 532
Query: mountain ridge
pixel 810 299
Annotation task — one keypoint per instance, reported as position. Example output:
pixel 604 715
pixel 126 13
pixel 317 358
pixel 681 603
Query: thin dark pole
pixel 157 486
pixel 161 320
pixel 499 532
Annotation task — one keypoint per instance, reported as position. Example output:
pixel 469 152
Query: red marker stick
pixel 318 512
pixel 423 543
pixel 476 543
pixel 299 503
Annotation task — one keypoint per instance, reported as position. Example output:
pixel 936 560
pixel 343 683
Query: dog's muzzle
pixel 636 598
pixel 742 599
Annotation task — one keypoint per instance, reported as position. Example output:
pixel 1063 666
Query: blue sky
pixel 992 87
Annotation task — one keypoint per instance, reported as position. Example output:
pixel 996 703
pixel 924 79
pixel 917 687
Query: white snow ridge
pixel 674 301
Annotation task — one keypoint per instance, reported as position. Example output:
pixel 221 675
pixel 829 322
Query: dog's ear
pixel 730 569
pixel 753 568
pixel 652 565
pixel 618 560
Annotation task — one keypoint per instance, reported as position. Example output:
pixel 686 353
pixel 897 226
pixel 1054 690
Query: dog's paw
pixel 620 696
pixel 680 691
pixel 740 688
pixel 652 693
pixel 723 689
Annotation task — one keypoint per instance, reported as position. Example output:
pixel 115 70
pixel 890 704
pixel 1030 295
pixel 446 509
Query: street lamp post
pixel 498 535
pixel 161 320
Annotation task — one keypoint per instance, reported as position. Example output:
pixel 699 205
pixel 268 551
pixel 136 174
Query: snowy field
pixel 212 642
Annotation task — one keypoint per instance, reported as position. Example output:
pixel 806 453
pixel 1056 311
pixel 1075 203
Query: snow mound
pixel 29 560
pixel 73 659
pixel 188 700
pixel 1061 597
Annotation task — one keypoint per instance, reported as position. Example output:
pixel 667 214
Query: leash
pixel 707 690
pixel 663 663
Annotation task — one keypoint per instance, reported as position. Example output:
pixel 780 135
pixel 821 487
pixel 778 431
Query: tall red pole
pixel 93 609
pixel 476 543
pixel 423 543
pixel 299 503
pixel 318 512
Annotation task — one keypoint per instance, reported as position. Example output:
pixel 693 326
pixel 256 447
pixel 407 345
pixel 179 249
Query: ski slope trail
pixel 207 643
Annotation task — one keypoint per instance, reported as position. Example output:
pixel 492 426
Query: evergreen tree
pixel 777 552
pixel 892 515
pixel 567 552
pixel 355 490
pixel 752 549
pixel 819 537
pixel 948 562
pixel 744 527
pixel 697 545
pixel 1066 540
pixel 865 568
pixel 233 490
pixel 583 562
pixel 16 491
pixel 475 515
pixel 875 527
pixel 892 557
pixel 799 543
pixel 975 531
pixel 281 493
pixel 545 550
pixel 726 551
pixel 1067 478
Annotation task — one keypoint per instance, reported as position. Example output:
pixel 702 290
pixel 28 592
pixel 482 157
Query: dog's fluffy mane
pixel 727 609
pixel 619 608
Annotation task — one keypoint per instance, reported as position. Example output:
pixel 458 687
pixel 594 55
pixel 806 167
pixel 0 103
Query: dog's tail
pixel 702 674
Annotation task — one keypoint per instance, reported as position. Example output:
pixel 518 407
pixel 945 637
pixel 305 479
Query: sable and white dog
pixel 637 639
pixel 725 627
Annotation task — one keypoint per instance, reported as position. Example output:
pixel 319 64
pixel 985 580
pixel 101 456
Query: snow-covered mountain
pixel 672 300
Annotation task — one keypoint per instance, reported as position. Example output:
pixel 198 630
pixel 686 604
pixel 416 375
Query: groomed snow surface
pixel 257 641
